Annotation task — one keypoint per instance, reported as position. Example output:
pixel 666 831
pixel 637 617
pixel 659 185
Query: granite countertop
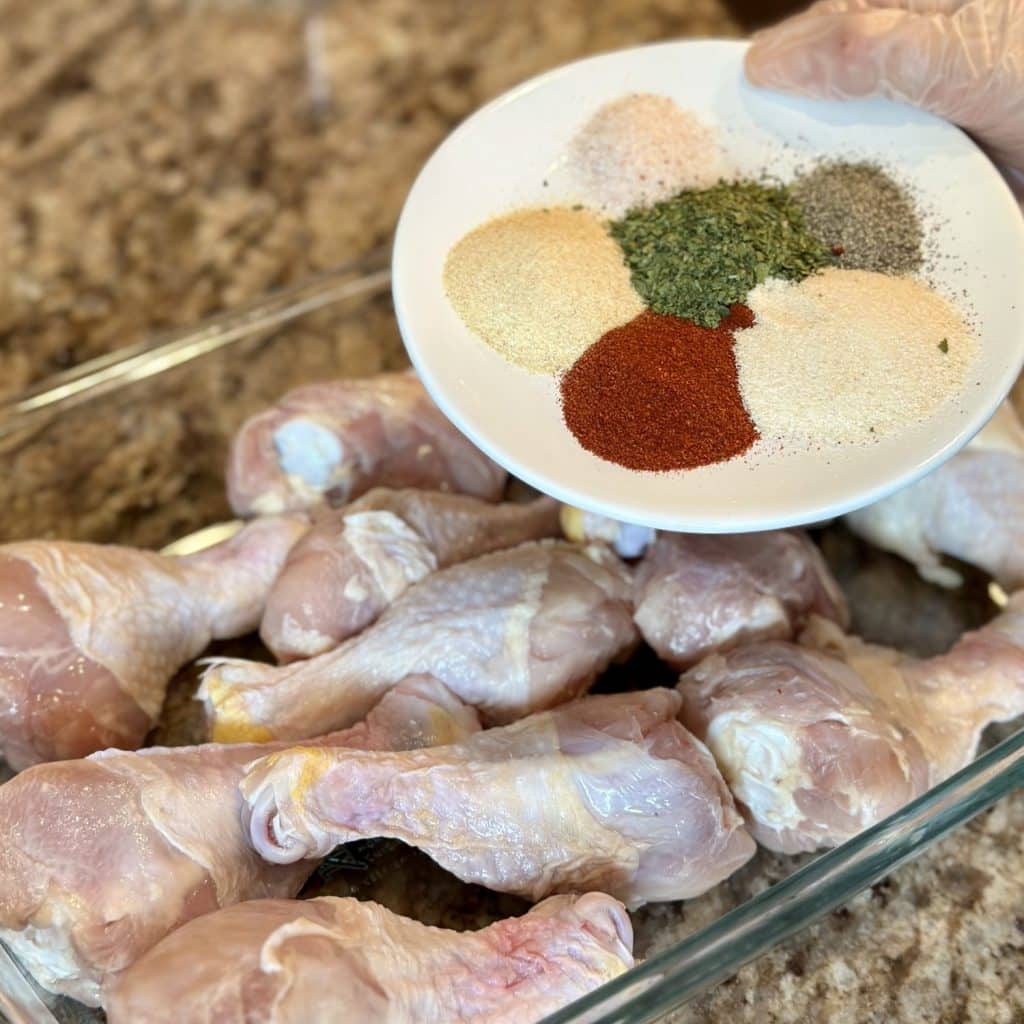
pixel 164 159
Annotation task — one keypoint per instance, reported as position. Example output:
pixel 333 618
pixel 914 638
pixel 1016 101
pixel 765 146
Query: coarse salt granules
pixel 849 356
pixel 540 285
pixel 639 150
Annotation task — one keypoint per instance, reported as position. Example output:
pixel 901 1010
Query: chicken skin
pixel 332 959
pixel 90 635
pixel 103 857
pixel 508 633
pixel 608 793
pixel 356 562
pixel 971 507
pixel 820 740
pixel 331 442
pixel 697 594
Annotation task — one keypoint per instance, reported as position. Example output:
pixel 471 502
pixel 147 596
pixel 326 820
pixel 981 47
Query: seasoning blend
pixel 660 393
pixel 710 313
pixel 848 356
pixel 639 149
pixel 540 285
pixel 862 216
pixel 699 253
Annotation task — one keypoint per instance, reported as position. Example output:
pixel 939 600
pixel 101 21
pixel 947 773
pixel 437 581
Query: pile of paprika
pixel 660 393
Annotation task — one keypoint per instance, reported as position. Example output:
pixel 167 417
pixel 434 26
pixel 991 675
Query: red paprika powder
pixel 660 393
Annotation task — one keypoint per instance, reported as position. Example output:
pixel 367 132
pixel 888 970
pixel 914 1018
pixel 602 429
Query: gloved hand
pixel 960 59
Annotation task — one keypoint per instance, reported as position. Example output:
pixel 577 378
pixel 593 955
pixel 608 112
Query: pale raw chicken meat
pixel 90 635
pixel 341 960
pixel 331 442
pixel 508 633
pixel 697 594
pixel 357 561
pixel 818 741
pixel 102 857
pixel 971 507
pixel 608 793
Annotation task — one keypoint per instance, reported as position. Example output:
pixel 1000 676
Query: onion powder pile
pixel 540 285
pixel 640 149
pixel 849 356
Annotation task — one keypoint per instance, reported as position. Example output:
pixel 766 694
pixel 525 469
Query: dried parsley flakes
pixel 695 255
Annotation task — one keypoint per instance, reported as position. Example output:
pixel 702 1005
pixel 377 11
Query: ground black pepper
pixel 660 393
pixel 865 217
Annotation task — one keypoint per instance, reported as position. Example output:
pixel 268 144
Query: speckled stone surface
pixel 941 940
pixel 162 160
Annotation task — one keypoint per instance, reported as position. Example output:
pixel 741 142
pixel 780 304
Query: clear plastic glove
pixel 960 59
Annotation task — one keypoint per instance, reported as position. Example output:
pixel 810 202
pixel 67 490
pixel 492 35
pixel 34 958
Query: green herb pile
pixel 695 255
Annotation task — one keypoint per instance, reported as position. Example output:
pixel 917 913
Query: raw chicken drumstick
pixel 971 507
pixel 101 858
pixel 331 442
pixel 818 744
pixel 90 635
pixel 355 562
pixel 331 959
pixel 696 594
pixel 508 633
pixel 608 793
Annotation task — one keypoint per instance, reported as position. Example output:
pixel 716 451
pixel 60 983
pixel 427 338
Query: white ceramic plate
pixel 499 159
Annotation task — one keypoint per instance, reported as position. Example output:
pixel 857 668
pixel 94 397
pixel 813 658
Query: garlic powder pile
pixel 540 285
pixel 639 150
pixel 849 355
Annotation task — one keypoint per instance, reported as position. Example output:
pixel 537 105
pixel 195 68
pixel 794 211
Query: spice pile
pixel 862 215
pixel 821 360
pixel 711 312
pixel 641 149
pixel 540 285
pixel 660 393
pixel 697 254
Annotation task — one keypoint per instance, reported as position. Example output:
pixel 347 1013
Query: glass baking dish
pixel 130 448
